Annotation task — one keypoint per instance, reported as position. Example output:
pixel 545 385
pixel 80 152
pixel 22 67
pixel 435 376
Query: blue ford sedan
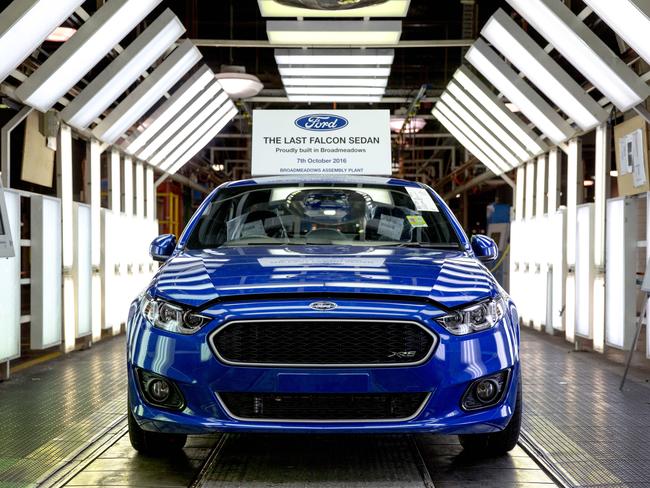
pixel 324 305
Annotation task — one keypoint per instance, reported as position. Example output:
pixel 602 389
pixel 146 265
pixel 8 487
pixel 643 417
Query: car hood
pixel 450 278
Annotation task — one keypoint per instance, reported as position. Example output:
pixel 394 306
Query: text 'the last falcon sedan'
pixel 324 305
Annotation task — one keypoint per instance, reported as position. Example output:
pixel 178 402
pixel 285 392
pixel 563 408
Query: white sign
pixel 341 142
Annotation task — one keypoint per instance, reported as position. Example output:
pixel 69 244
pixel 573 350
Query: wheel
pixel 498 443
pixel 153 443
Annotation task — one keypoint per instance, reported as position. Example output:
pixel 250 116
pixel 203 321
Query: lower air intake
pixel 323 407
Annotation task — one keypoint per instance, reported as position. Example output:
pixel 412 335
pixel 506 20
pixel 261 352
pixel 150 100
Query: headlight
pixel 474 318
pixel 170 317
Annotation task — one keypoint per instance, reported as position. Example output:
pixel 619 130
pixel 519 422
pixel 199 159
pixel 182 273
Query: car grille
pixel 323 407
pixel 323 343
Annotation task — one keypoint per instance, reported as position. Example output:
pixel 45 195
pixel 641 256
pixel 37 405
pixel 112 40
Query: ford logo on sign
pixel 322 122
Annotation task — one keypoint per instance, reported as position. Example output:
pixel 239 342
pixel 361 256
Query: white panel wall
pixel 620 262
pixel 585 271
pixel 10 286
pixel 557 229
pixel 46 272
pixel 82 269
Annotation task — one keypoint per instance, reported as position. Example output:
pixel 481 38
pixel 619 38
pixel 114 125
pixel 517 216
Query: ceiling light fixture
pixel 506 154
pixel 194 145
pixel 333 90
pixel 473 135
pixel 312 71
pixel 391 8
pixel 214 95
pixel 336 98
pixel 339 57
pixel 585 50
pixel 414 125
pixel 169 110
pixel 473 107
pixel 239 84
pixel 543 71
pixel 25 24
pixel 184 133
pixel 369 82
pixel 508 82
pixel 100 93
pixel 70 62
pixel 324 33
pixel 630 19
pixel 147 93
pixel 493 105
pixel 61 34
pixel 466 142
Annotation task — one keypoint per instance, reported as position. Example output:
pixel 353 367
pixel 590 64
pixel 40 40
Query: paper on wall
pixel 638 160
pixel 422 200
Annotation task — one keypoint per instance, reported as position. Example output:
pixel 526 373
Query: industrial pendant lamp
pixel 237 83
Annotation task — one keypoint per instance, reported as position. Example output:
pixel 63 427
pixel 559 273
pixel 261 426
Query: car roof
pixel 322 179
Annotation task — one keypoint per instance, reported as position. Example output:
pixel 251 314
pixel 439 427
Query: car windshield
pixel 323 215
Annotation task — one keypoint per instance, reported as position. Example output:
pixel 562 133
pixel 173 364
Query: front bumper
pixel 456 362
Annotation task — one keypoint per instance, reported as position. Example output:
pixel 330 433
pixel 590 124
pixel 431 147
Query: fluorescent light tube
pixel 630 19
pixel 196 145
pixel 584 49
pixel 473 135
pixel 172 106
pixel 76 57
pixel 147 93
pixel 190 128
pixel 507 81
pixel 123 71
pixel 506 36
pixel 334 33
pixel 25 24
pixel 498 109
pixel 505 153
pixel 336 72
pixel 189 112
pixel 466 141
pixel 336 98
pixel 391 8
pixel 371 82
pixel 319 57
pixel 488 120
pixel 333 90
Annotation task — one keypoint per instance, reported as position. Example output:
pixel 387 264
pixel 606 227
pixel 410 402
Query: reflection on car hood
pixel 449 277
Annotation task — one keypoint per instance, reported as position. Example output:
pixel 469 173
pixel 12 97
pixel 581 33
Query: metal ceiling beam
pixel 436 43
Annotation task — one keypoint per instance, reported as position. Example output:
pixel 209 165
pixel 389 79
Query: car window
pixel 322 215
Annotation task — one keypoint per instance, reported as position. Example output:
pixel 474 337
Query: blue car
pixel 324 305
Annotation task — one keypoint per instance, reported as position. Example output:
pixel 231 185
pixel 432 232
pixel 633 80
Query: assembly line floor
pixel 63 424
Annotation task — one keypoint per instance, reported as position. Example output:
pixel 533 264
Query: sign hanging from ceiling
pixel 338 142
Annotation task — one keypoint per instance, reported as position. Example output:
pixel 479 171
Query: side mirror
pixel 485 249
pixel 162 247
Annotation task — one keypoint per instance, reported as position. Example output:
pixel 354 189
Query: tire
pixel 153 443
pixel 499 443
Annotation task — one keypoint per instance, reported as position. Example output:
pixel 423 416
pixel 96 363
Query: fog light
pixel 487 390
pixel 159 391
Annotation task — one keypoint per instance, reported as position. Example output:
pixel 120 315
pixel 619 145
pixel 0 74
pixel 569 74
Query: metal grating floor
pixel 594 434
pixel 51 411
